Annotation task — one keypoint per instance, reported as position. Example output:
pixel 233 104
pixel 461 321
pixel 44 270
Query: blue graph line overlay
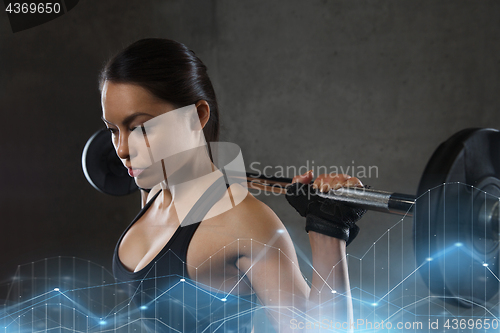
pixel 388 292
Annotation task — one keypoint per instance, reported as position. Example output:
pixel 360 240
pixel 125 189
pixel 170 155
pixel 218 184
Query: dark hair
pixel 170 71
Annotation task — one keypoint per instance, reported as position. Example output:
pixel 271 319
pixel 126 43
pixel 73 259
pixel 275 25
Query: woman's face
pixel 145 131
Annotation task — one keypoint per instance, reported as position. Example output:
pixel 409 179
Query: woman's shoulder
pixel 250 217
pixel 247 228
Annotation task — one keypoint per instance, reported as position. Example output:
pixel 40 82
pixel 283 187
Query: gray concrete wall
pixel 340 83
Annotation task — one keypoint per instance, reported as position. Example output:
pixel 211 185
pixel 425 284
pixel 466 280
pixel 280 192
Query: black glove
pixel 327 217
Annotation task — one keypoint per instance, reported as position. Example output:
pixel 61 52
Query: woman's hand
pixel 331 226
pixel 326 182
pixel 327 217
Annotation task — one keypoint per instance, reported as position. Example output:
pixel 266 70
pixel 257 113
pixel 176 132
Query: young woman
pixel 161 109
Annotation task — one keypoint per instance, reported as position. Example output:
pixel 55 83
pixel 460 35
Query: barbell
pixel 455 212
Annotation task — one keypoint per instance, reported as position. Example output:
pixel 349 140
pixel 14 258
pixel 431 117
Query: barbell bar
pixel 455 211
pixel 456 214
pixel 367 198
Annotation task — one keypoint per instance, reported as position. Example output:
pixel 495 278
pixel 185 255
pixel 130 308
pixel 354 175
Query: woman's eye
pixel 132 129
pixel 111 130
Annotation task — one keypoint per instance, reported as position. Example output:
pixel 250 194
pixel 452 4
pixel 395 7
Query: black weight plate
pixel 103 168
pixel 451 243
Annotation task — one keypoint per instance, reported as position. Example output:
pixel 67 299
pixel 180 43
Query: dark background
pixel 380 83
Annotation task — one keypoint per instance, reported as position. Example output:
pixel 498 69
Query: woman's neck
pixel 184 186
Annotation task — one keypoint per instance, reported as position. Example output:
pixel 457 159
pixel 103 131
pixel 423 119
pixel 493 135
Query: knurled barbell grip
pixel 381 201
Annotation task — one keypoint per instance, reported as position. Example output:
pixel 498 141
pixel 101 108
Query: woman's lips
pixel 134 172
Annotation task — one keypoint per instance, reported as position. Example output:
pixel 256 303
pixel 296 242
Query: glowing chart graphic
pixel 445 281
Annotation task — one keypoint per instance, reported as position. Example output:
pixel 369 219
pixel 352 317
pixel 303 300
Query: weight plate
pixel 103 168
pixel 456 218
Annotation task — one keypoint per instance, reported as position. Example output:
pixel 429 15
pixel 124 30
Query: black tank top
pixel 166 300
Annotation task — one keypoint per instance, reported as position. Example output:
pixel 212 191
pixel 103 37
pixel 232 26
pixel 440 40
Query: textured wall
pixel 340 83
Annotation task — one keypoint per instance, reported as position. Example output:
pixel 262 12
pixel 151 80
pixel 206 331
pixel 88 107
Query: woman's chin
pixel 148 180
pixel 147 183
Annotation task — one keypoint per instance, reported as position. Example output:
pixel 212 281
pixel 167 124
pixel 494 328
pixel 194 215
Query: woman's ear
pixel 203 110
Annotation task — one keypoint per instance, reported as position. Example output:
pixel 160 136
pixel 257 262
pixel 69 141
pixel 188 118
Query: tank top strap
pixel 208 199
pixel 181 239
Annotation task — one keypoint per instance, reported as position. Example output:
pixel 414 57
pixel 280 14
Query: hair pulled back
pixel 168 70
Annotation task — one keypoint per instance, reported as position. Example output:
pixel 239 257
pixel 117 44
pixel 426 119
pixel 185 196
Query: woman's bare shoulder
pixel 251 218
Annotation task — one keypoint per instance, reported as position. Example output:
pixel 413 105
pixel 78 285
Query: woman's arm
pixel 330 271
pixel 270 263
pixel 330 295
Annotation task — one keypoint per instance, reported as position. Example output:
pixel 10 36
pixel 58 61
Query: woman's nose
pixel 121 146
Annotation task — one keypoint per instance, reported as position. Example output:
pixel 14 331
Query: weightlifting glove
pixel 325 216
